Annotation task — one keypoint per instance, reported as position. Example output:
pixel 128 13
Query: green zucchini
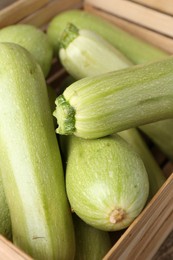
pixel 133 48
pixel 112 102
pixel 161 134
pixel 33 39
pixel 83 54
pixel 91 243
pixel 155 174
pixel 30 161
pixel 106 181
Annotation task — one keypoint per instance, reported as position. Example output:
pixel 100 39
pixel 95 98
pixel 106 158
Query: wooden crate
pixel 145 235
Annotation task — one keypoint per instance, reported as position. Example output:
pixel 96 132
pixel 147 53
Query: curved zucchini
pixel 106 181
pixel 33 39
pixel 30 160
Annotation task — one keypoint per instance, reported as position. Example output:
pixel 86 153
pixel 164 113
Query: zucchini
pixel 33 39
pixel 155 174
pixel 30 162
pixel 106 181
pixel 91 243
pixel 83 54
pixel 112 102
pixel 161 134
pixel 5 221
pixel 136 50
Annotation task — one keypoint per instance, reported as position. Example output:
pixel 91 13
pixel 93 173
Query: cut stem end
pixel 65 115
pixel 117 215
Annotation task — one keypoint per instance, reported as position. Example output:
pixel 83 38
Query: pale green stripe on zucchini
pixel 97 106
pixel 30 160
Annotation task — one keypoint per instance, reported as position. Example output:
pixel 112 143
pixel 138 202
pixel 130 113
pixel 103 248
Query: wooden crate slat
pixel 161 5
pixel 163 231
pixel 18 10
pixel 158 40
pixel 136 13
pixel 11 252
pixel 45 14
pixel 137 233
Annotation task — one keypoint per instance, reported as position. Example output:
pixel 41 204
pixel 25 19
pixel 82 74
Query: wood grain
pixel 45 14
pixel 18 10
pixel 163 42
pixel 137 14
pixel 161 5
pixel 11 252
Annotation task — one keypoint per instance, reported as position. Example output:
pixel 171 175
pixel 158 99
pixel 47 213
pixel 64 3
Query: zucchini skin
pixel 83 53
pixel 5 221
pixel 32 39
pixel 97 106
pixel 91 243
pixel 106 181
pixel 31 165
pixel 155 174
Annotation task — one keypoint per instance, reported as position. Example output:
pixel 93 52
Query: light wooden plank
pixel 11 252
pixel 46 13
pixel 18 10
pixel 157 212
pixel 138 14
pixel 163 42
pixel 161 5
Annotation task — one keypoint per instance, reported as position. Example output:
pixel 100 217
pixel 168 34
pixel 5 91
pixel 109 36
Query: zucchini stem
pixel 117 215
pixel 65 115
pixel 68 35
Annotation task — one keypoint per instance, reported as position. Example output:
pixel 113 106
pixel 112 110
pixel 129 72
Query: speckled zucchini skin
pixel 30 160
